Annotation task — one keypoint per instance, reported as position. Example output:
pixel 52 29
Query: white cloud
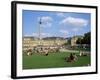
pixel 77 22
pixel 35 34
pixel 48 24
pixel 26 35
pixel 31 35
pixel 45 34
pixel 60 14
pixel 64 31
pixel 75 29
pixel 46 21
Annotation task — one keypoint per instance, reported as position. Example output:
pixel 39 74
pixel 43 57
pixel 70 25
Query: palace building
pixel 31 42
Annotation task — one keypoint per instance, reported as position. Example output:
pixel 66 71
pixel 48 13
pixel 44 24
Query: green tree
pixel 87 38
pixel 68 42
pixel 79 41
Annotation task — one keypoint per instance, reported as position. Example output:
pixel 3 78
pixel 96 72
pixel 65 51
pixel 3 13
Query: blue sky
pixel 60 24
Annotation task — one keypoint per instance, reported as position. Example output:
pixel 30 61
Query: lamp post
pixel 40 31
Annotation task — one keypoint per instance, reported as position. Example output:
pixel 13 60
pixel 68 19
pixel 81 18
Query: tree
pixel 87 38
pixel 69 41
pixel 79 41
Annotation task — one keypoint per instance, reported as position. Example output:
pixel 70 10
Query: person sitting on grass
pixel 29 52
pixel 75 57
pixel 72 58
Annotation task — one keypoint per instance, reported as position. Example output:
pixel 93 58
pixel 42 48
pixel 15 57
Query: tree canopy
pixel 86 39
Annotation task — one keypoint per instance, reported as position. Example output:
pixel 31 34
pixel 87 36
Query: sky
pixel 55 24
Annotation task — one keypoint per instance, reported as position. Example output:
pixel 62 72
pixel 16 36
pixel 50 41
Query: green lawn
pixel 53 60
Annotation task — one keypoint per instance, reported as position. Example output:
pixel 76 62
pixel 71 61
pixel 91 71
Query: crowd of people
pixel 46 50
pixel 43 50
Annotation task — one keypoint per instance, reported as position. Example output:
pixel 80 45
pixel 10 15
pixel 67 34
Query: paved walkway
pixel 73 51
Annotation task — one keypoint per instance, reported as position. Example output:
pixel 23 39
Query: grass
pixel 53 60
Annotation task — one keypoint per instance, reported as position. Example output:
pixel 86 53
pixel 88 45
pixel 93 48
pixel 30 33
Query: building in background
pixel 31 42
pixel 74 40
